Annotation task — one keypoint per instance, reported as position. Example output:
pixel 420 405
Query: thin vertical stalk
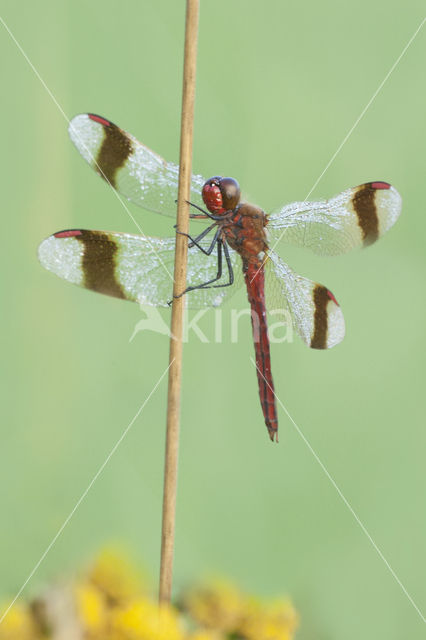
pixel 175 360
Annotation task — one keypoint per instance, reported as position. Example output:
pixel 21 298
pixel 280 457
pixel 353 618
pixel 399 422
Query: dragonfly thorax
pixel 221 194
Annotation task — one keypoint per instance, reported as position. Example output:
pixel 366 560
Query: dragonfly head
pixel 221 194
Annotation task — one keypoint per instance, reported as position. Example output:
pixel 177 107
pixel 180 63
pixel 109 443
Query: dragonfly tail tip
pixel 273 434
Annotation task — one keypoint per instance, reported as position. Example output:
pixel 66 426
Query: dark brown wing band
pixel 99 263
pixel 115 149
pixel 364 203
pixel 321 296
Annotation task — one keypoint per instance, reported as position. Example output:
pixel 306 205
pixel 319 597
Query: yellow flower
pixel 206 634
pixel 219 606
pixel 223 608
pixel 276 620
pixel 108 604
pixel 145 620
pixel 91 608
pixel 17 625
pixel 115 577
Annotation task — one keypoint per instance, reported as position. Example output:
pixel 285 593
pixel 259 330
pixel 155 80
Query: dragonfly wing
pixel 139 174
pixel 131 267
pixel 314 311
pixel 355 218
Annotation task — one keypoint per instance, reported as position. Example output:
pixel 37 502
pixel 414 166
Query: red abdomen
pixel 254 275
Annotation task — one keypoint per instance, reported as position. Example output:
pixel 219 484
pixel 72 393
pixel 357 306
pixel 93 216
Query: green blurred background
pixel 279 86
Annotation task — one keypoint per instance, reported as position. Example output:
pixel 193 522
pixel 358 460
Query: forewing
pixel 131 267
pixel 355 218
pixel 314 311
pixel 138 173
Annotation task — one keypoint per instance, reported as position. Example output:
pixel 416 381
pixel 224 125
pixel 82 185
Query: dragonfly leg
pixel 218 275
pixel 205 285
pixel 194 241
pixel 209 284
pixel 229 265
pixel 203 211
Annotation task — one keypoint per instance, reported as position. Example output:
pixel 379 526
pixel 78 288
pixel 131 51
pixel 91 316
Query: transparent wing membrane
pixel 355 218
pixel 133 267
pixel 139 174
pixel 314 311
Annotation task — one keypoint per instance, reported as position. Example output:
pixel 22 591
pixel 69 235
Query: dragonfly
pixel 237 246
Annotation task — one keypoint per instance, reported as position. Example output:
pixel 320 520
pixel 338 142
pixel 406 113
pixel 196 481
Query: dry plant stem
pixel 175 371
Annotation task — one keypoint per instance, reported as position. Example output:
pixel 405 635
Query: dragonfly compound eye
pixel 230 190
pixel 212 195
